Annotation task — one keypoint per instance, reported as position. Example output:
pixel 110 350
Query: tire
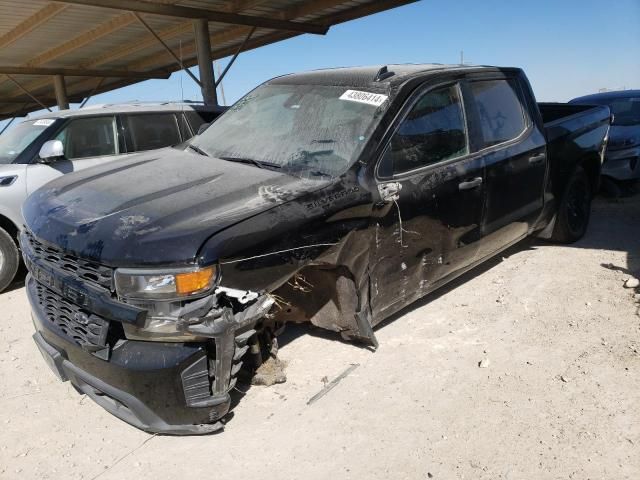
pixel 9 259
pixel 575 209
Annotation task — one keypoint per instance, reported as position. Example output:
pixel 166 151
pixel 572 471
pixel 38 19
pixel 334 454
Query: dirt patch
pixel 271 371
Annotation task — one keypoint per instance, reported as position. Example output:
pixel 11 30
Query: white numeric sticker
pixel 374 99
pixel 44 122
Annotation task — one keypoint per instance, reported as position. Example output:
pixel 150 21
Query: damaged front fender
pixel 323 243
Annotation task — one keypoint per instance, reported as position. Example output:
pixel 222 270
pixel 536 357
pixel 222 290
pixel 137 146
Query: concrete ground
pixel 558 396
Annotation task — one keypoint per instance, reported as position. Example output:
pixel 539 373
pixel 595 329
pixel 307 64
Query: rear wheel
pixel 9 259
pixel 575 209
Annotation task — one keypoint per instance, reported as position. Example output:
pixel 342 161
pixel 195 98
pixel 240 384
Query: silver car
pixel 42 148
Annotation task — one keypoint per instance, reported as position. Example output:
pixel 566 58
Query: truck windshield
pixel 305 130
pixel 14 141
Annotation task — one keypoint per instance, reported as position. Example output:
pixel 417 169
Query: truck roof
pixel 132 107
pixel 608 96
pixel 374 76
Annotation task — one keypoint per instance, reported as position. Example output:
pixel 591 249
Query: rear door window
pixel 89 137
pixel 149 131
pixel 500 110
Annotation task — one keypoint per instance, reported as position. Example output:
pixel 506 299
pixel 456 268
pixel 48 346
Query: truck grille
pixel 86 270
pixel 81 326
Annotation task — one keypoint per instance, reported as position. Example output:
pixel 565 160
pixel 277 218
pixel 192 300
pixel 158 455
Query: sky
pixel 567 48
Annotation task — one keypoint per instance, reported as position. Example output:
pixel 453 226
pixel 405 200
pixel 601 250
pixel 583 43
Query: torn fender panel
pixel 264 252
pixel 324 239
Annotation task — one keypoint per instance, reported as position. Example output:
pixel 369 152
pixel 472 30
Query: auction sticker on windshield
pixel 374 99
pixel 44 122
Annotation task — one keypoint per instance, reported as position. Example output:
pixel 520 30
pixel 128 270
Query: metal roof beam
pixel 167 48
pixel 46 101
pixel 233 32
pixel 230 33
pixel 236 6
pixel 366 9
pixel 30 24
pixel 27 92
pixel 85 38
pixel 141 6
pixel 82 72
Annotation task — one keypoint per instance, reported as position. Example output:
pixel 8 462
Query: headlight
pixel 166 295
pixel 164 284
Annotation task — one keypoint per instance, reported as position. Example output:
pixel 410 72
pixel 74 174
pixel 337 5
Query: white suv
pixel 42 148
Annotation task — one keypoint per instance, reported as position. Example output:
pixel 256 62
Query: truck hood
pixel 154 208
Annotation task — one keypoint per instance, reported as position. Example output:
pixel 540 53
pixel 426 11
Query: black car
pixel 622 157
pixel 334 197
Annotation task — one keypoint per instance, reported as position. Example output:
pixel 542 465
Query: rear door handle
pixel 471 184
pixel 537 158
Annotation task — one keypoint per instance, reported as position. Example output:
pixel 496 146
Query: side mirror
pixel 203 127
pixel 51 151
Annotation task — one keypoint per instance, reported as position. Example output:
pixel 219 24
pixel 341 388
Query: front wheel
pixel 575 209
pixel 9 259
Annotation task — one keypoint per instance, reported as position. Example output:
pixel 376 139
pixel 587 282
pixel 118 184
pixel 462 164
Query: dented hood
pixel 154 208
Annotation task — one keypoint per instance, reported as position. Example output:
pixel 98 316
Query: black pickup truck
pixel 334 197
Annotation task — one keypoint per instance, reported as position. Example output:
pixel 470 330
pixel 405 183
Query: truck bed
pixel 562 119
pixel 574 133
pixel 555 111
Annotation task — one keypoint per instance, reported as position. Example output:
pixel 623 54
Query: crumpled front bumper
pixel 154 386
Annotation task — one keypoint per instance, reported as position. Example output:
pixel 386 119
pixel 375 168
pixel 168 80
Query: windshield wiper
pixel 252 161
pixel 198 150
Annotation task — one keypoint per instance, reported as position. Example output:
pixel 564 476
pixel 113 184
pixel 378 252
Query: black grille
pixel 81 326
pixel 89 271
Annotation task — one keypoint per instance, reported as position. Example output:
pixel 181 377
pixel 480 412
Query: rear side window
pixel 150 131
pixel 88 137
pixel 433 131
pixel 500 110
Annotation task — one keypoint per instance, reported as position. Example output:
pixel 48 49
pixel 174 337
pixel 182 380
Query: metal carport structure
pixel 56 52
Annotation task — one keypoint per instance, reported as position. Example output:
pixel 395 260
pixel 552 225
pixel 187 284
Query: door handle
pixel 471 184
pixel 537 158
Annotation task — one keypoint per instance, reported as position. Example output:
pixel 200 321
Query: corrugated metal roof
pixel 77 34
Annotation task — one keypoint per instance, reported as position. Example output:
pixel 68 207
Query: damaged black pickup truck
pixel 334 197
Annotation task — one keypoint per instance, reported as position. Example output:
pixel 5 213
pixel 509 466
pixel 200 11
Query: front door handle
pixel 537 158
pixel 471 184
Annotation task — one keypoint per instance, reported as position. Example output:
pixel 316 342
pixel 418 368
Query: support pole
pixel 205 65
pixel 7 125
pixel 61 92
